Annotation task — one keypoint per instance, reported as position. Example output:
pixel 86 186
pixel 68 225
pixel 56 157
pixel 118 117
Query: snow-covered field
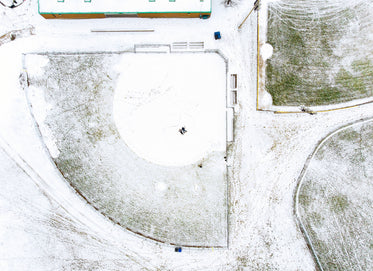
pixel 322 52
pixel 111 124
pixel 46 226
pixel 335 199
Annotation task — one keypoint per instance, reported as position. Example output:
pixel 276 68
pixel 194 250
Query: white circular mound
pixel 266 51
pixel 158 94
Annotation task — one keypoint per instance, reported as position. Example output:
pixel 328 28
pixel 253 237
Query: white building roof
pixel 124 6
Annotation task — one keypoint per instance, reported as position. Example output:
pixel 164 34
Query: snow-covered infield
pixel 165 93
pixel 112 123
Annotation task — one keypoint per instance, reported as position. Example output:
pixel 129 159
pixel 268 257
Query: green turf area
pixel 336 200
pixel 322 52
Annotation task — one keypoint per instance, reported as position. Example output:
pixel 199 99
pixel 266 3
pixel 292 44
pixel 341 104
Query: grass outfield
pixel 322 52
pixel 336 199
pixel 72 98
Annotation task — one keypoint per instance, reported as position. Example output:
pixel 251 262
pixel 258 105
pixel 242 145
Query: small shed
pixel 84 9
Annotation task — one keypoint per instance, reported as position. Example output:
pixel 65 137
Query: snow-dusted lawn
pixel 131 162
pixel 322 51
pixel 335 199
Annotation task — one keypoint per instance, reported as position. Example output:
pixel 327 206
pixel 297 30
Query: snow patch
pixel 161 186
pixel 266 51
pixel 40 106
pixel 197 189
pixel 40 109
pixel 49 141
pixel 35 64
pixel 265 100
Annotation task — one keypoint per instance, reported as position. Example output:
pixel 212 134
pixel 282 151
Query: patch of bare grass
pixel 322 52
pixel 335 200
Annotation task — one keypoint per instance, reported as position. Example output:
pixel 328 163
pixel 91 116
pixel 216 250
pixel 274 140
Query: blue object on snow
pixel 177 249
pixel 217 35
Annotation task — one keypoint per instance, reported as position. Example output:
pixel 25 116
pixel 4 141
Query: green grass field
pixel 322 52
